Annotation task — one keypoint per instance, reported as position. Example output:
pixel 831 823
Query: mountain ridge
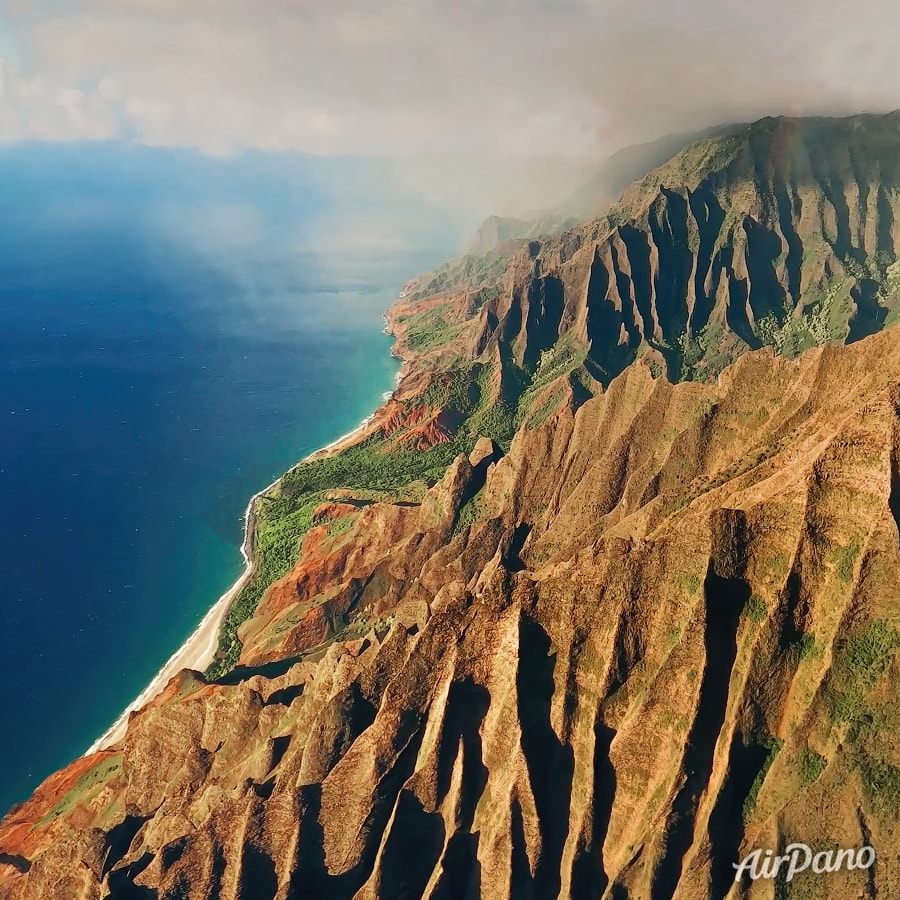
pixel 713 239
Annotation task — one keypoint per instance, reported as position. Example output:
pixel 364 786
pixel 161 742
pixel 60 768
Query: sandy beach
pixel 198 651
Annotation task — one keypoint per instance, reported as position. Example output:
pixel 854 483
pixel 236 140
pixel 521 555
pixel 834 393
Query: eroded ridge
pixel 666 636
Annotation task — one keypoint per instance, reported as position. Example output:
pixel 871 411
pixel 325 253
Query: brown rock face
pixel 780 234
pixel 435 429
pixel 667 638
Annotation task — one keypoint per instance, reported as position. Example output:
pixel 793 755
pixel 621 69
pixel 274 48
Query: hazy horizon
pixel 481 108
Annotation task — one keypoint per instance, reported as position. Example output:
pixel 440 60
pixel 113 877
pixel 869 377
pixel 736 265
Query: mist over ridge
pixel 484 108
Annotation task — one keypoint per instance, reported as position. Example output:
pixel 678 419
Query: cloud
pixel 523 80
pixel 32 107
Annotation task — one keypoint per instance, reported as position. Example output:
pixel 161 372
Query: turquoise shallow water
pixel 162 357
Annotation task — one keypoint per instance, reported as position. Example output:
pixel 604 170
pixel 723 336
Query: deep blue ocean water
pixel 174 333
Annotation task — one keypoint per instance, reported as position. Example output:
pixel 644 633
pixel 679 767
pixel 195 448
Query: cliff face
pixel 648 628
pixel 783 234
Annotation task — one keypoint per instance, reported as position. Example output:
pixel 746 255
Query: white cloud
pixel 526 79
pixel 32 107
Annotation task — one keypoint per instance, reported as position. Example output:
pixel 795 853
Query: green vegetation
pixel 891 278
pixel 702 409
pixel 716 352
pixel 470 272
pixel 821 322
pixel 562 358
pixel 468 515
pixel 706 354
pixel 803 649
pixel 872 737
pixel 788 336
pixel 285 515
pixel 680 500
pixel 881 783
pixel 484 295
pixel 755 609
pixel 341 524
pixel 456 388
pixel 86 786
pixel 845 559
pixel 373 468
pixel 777 565
pixel 690 583
pixel 889 292
pixel 876 723
pixel 860 660
pixel 677 503
pixel 428 330
pixel 276 548
pixel 810 765
pixel 691 354
pixel 368 465
pixel 773 747
pixel 855 268
pixel 709 155
pixel 542 413
pixel 496 419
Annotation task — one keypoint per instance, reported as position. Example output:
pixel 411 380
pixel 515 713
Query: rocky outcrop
pixel 782 234
pixel 437 428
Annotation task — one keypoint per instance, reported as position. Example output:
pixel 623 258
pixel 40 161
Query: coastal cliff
pixel 603 598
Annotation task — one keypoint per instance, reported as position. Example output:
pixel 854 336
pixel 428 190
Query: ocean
pixel 174 333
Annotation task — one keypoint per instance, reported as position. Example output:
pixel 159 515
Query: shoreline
pixel 198 651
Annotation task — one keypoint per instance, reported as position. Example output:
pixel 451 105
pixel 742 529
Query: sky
pixel 519 83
